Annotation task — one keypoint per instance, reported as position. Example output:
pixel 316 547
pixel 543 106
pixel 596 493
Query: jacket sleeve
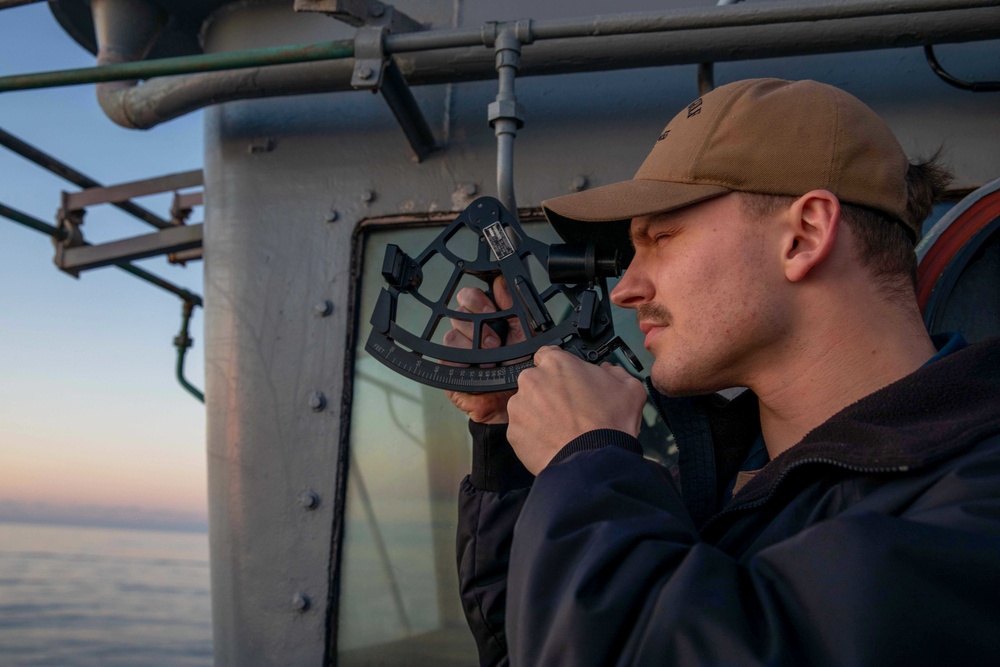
pixel 490 501
pixel 607 569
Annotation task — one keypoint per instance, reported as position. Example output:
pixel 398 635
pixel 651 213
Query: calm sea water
pixel 99 597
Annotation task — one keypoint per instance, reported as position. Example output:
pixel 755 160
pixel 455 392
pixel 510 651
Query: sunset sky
pixel 90 411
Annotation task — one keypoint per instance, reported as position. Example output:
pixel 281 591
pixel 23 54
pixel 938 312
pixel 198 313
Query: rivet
pixel 580 183
pixel 263 145
pixel 368 196
pixel 365 72
pixel 377 11
pixel 333 215
pixel 469 189
pixel 324 308
pixel 317 401
pixel 301 602
pixel 309 500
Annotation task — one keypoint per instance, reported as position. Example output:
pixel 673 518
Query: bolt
pixel 323 308
pixel 580 183
pixel 333 215
pixel 317 401
pixel 262 145
pixel 309 500
pixel 469 189
pixel 368 196
pixel 365 73
pixel 377 11
pixel 604 319
pixel 301 602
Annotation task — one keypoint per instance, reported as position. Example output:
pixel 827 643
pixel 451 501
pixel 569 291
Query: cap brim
pixel 581 216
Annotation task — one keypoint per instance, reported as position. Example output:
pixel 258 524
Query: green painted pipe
pixel 147 69
pixel 182 341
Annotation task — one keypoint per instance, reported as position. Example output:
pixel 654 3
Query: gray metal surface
pixel 280 225
pixel 595 43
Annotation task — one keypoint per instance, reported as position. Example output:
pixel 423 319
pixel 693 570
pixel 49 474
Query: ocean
pixel 103 597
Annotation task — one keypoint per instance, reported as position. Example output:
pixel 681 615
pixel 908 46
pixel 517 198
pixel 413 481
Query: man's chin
pixel 675 386
pixel 678 390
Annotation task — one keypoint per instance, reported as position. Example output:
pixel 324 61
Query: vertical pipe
pixel 506 130
pixel 505 114
pixel 706 71
pixel 182 341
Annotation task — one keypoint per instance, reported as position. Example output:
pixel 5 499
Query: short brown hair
pixel 884 245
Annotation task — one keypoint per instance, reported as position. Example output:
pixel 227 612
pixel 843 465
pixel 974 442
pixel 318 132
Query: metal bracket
pixel 74 254
pixel 374 20
pixel 183 204
pixel 369 57
pixel 375 70
pixel 361 12
pixel 79 258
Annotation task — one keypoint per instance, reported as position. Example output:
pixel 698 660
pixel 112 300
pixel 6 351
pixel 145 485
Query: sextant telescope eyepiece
pixel 577 263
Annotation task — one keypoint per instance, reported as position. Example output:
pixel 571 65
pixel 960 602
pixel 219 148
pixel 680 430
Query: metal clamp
pixel 375 70
pixel 68 221
pixel 369 57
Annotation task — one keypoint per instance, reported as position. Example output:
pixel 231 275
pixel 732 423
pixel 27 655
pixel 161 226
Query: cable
pixel 974 86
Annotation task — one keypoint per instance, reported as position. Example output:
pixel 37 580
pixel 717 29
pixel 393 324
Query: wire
pixel 974 86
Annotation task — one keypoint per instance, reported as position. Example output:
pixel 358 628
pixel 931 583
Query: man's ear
pixel 811 233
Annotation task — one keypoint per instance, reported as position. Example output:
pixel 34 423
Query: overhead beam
pixel 75 201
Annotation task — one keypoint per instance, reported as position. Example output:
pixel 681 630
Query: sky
pixel 92 420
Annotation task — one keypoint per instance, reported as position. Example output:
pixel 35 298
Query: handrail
pixel 212 62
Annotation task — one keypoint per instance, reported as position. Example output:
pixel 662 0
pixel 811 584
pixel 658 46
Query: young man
pixel 844 510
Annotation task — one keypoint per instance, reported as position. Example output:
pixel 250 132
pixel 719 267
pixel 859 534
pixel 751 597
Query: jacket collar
pixel 927 416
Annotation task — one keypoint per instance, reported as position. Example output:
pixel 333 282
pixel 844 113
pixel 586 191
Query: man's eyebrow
pixel 638 230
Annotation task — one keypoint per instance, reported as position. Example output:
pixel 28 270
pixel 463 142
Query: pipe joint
pixel 509 34
pixel 505 110
pixel 508 58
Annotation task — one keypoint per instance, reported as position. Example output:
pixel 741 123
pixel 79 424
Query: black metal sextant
pixel 577 273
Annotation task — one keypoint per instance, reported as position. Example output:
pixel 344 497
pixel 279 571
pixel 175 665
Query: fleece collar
pixel 934 413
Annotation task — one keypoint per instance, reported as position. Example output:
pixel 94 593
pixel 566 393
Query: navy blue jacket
pixel 874 541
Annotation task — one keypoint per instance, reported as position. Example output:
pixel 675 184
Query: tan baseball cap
pixel 767 136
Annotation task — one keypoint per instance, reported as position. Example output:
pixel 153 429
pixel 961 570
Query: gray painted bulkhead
pixel 274 170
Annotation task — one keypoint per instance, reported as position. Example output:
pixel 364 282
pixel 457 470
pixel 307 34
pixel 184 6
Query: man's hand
pixel 488 408
pixel 564 397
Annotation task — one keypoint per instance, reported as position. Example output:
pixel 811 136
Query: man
pixel 844 510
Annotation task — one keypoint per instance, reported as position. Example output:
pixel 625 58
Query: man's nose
pixel 631 290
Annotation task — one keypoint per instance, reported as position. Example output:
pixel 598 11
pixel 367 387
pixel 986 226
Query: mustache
pixel 653 312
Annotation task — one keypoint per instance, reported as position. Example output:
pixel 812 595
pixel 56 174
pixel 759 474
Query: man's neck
pixel 813 382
